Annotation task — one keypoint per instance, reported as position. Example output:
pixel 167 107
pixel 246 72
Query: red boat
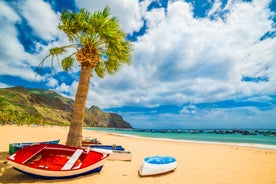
pixel 55 161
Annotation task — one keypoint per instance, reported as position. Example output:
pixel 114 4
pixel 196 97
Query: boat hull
pixel 158 166
pixel 45 174
pixel 48 161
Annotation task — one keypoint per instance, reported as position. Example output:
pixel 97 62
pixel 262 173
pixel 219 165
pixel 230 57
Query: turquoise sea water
pixel 254 138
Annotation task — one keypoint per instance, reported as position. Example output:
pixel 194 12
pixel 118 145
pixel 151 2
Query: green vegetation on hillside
pixel 15 117
pixel 19 105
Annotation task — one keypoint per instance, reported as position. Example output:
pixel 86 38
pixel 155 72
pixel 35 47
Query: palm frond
pixel 112 47
pixel 54 52
pixel 73 23
pixel 67 63
pixel 100 70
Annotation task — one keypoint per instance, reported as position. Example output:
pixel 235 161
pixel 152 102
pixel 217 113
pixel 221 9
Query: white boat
pixel 154 165
pixel 115 154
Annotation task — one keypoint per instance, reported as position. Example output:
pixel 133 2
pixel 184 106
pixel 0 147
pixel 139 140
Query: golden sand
pixel 196 163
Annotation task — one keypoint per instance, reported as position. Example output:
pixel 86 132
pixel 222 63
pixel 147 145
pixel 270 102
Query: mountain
pixel 54 108
pixel 95 117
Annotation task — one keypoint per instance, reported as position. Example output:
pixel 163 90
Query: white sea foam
pixel 252 145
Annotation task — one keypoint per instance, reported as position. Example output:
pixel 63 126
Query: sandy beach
pixel 197 163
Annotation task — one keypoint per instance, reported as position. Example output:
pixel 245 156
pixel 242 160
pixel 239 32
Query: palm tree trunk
pixel 74 136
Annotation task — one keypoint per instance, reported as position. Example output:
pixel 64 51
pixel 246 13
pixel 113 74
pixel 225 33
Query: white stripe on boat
pixel 69 164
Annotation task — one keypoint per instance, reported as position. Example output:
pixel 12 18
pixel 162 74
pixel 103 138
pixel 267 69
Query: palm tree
pixel 100 48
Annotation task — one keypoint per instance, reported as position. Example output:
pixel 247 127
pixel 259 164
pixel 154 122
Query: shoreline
pixel 250 145
pixel 197 163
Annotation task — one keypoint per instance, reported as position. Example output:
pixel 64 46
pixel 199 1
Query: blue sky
pixel 196 63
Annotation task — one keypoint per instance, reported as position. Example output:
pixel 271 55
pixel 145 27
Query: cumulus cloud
pixel 52 82
pixel 181 58
pixel 8 18
pixel 41 18
pixel 15 60
pixel 3 85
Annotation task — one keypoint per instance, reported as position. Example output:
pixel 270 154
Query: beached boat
pixel 108 147
pixel 155 165
pixel 115 154
pixel 13 147
pixel 55 161
pixel 88 141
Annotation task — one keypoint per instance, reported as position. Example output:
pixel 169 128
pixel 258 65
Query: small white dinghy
pixel 154 165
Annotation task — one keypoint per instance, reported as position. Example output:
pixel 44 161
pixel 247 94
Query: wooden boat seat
pixel 70 163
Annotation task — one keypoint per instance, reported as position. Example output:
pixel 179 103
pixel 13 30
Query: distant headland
pixel 41 106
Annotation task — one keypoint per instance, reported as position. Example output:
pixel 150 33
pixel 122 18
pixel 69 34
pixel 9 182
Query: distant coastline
pixel 262 146
pixel 258 140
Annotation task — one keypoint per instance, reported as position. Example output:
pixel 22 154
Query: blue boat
pixel 13 147
pixel 108 147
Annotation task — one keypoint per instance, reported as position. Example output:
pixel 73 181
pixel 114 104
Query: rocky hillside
pixel 95 117
pixel 55 108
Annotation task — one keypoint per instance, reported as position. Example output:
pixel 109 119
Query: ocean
pixel 240 137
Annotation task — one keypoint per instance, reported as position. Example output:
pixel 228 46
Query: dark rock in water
pixel 224 131
pixel 270 133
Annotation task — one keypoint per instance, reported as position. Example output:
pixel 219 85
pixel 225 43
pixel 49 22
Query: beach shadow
pixel 9 175
pixel 156 175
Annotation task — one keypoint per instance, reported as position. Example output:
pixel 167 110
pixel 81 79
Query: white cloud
pixel 63 88
pixel 182 59
pixel 7 13
pixel 66 90
pixel 190 109
pixel 216 7
pixel 52 82
pixel 191 117
pixel 3 85
pixel 41 18
pixel 154 17
pixel 15 61
pixel 8 18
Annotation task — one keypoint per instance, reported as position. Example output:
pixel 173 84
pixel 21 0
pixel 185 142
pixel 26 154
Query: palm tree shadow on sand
pixel 9 175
